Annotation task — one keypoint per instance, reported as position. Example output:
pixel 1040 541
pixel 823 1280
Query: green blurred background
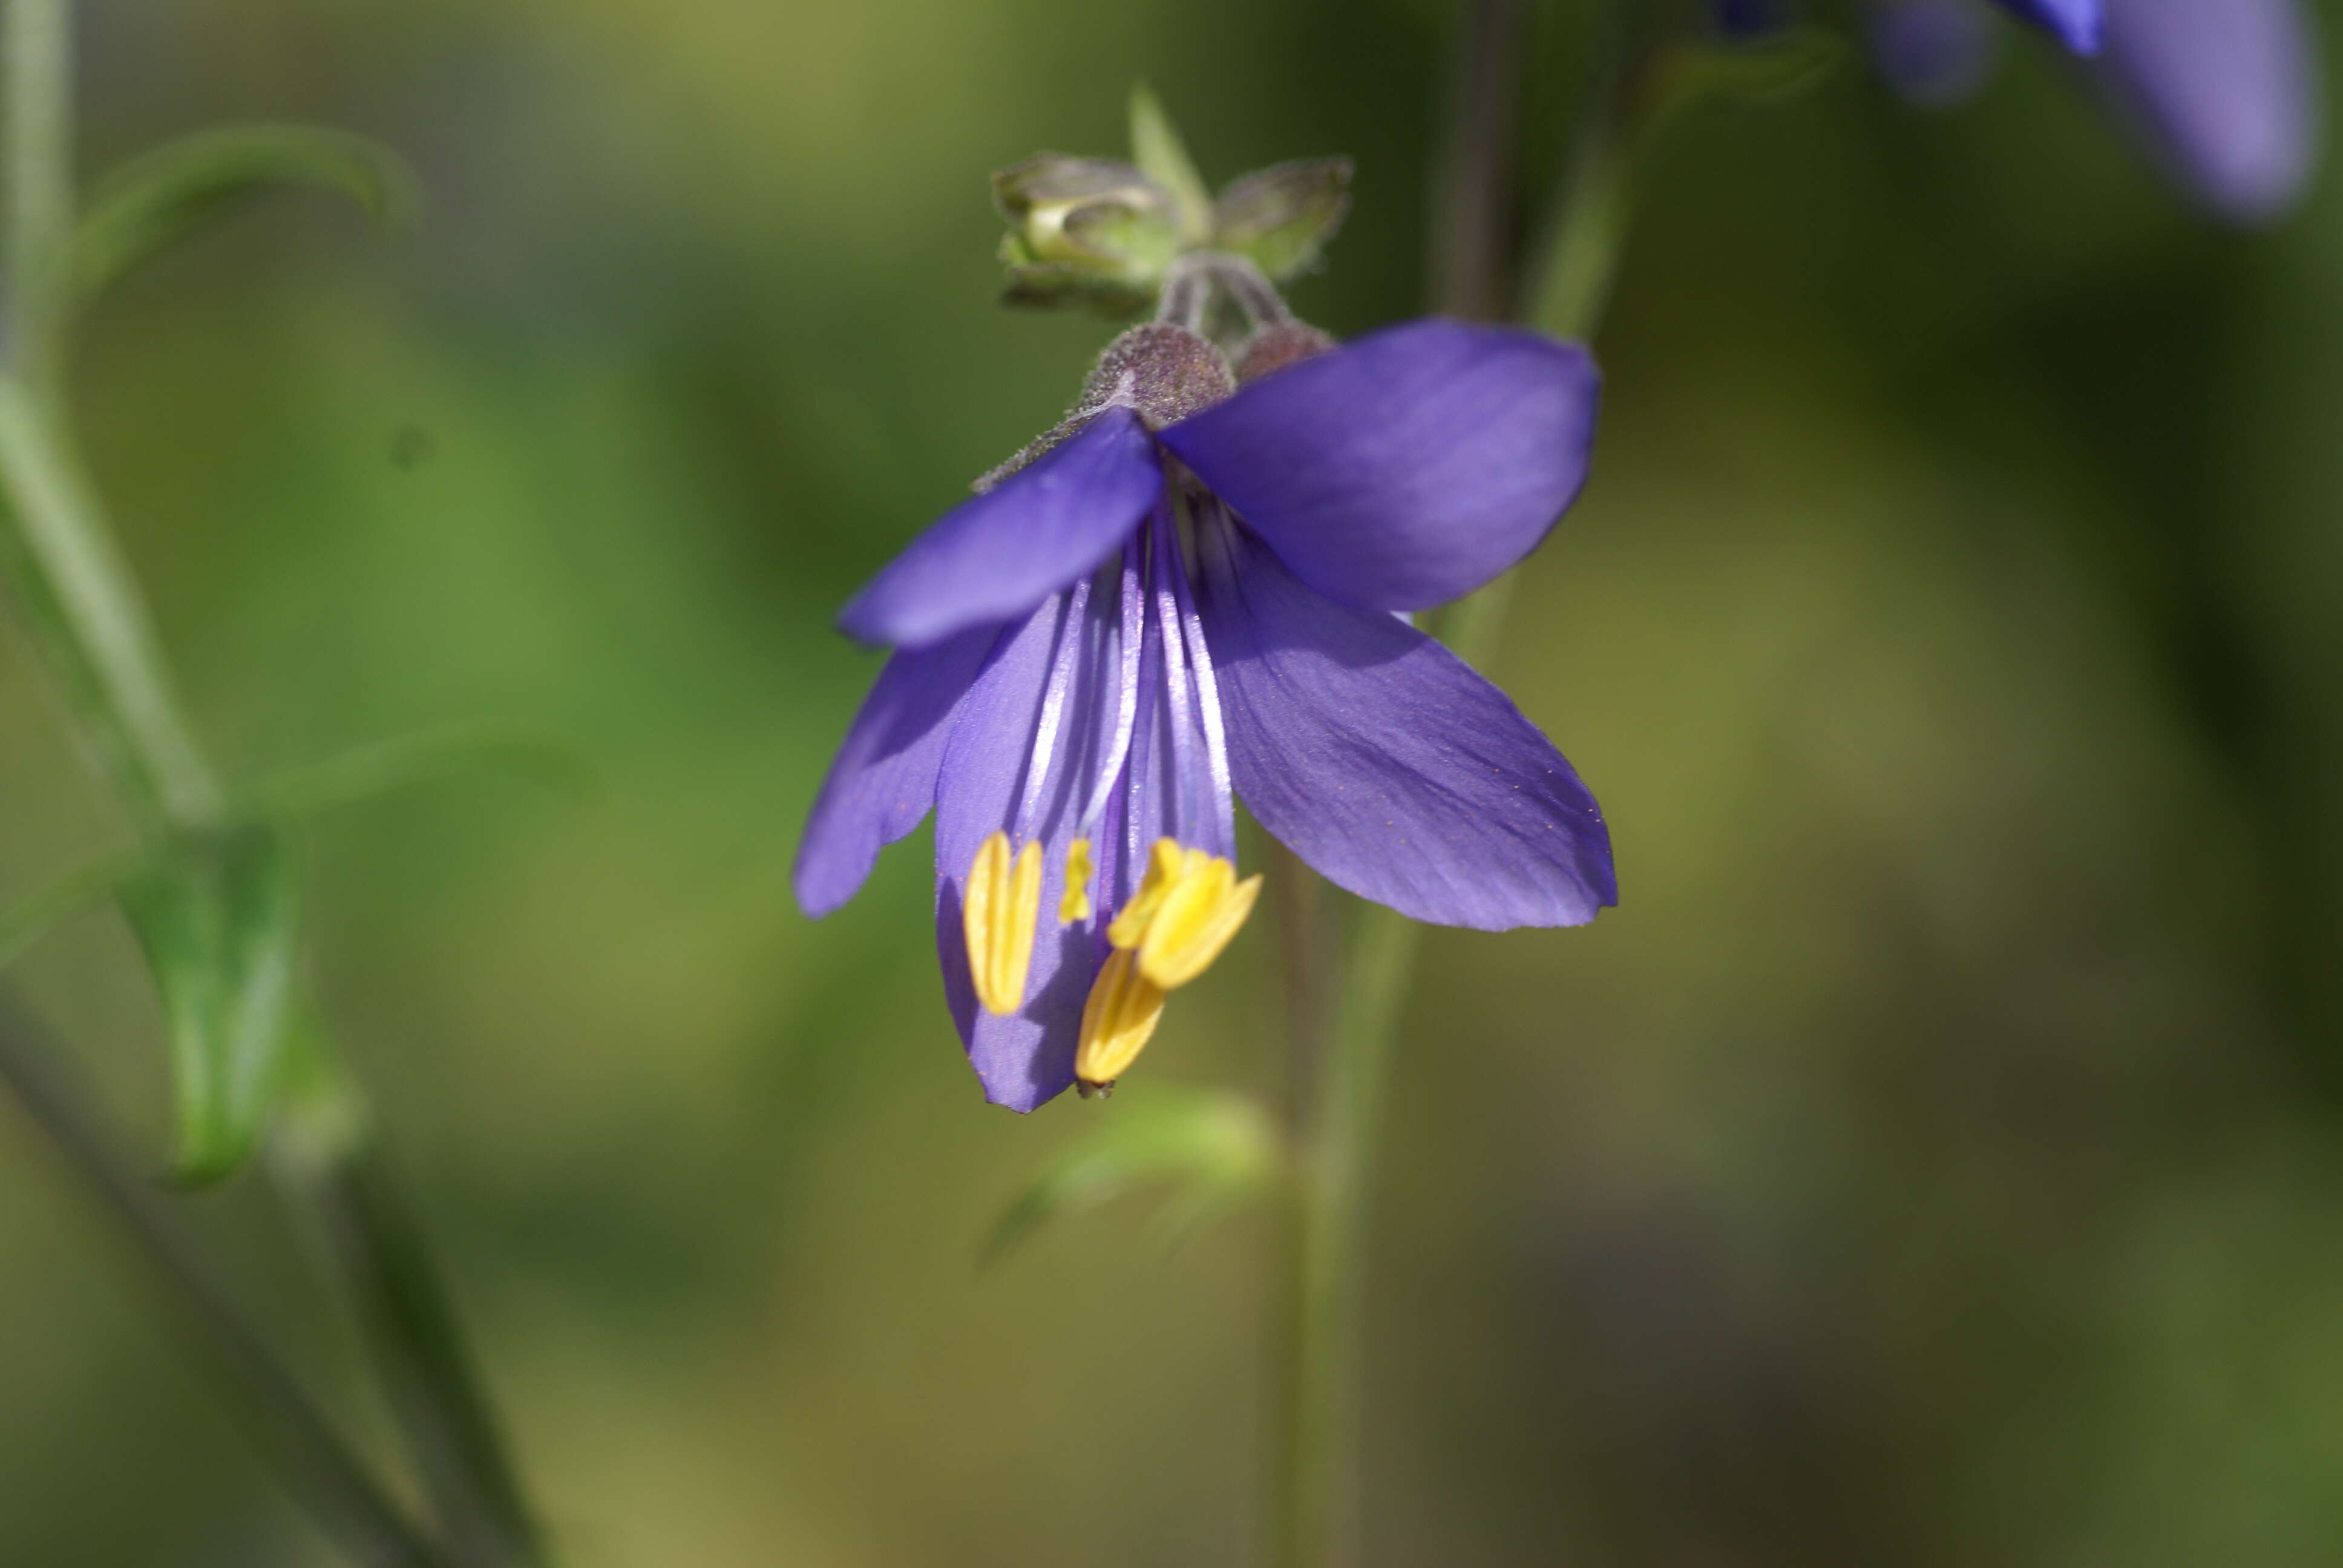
pixel 1933 1160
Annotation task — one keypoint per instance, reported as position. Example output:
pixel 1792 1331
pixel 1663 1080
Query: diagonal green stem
pixel 36 66
pixel 330 1156
pixel 80 606
pixel 80 603
pixel 332 1482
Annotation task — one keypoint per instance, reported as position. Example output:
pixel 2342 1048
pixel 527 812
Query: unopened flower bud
pixel 1275 347
pixel 1282 216
pixel 1083 229
pixel 1164 372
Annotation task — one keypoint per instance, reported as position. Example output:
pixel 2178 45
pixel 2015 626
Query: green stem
pixel 1341 1127
pixel 319 1468
pixel 1318 1495
pixel 1472 202
pixel 36 70
pixel 1582 250
pixel 331 1155
pixel 1344 1074
pixel 81 604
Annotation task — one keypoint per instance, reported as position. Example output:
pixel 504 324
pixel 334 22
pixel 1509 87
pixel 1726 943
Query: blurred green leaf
pixel 218 918
pixel 1281 217
pixel 1157 149
pixel 405 761
pixel 1219 1148
pixel 1773 69
pixel 163 193
pixel 21 927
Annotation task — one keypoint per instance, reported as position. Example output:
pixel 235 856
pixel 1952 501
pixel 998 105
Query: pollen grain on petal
pixel 1002 905
pixel 1074 903
pixel 1118 1021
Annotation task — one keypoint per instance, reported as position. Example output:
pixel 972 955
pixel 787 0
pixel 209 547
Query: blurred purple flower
pixel 1934 53
pixel 2075 23
pixel 2224 92
pixel 1074 680
pixel 2227 94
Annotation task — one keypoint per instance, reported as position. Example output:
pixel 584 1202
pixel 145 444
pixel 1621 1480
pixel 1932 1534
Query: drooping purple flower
pixel 2225 93
pixel 1181 603
pixel 2076 24
pixel 1933 53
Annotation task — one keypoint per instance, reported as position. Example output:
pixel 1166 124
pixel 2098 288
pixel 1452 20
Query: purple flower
pixel 2224 92
pixel 1934 53
pixel 2075 23
pixel 1191 598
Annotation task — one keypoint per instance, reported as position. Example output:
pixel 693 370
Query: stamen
pixel 1074 903
pixel 1118 1021
pixel 1186 911
pixel 1198 918
pixel 1166 863
pixel 1002 906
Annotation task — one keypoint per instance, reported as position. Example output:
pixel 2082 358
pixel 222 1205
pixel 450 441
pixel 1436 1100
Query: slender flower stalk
pixel 1340 1117
pixel 331 1481
pixel 81 604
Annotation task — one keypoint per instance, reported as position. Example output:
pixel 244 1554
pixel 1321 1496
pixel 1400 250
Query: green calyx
pixel 1104 235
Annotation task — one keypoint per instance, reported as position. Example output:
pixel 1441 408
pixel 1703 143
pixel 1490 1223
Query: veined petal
pixel 884 777
pixel 1387 764
pixel 1060 666
pixel 996 556
pixel 1406 468
pixel 2227 92
pixel 2074 23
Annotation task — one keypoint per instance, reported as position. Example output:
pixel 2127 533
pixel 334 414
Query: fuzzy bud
pixel 1281 218
pixel 1083 229
pixel 1272 349
pixel 1163 372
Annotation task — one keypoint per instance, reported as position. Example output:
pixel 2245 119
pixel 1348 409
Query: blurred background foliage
pixel 1933 1160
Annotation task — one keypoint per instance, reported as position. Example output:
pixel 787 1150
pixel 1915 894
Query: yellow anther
pixel 1001 907
pixel 1118 1021
pixel 1074 903
pixel 1195 923
pixel 1187 907
pixel 1167 865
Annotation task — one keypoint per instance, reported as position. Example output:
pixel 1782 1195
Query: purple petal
pixel 1387 764
pixel 987 784
pixel 2227 92
pixel 996 556
pixel 1408 468
pixel 2075 23
pixel 1934 53
pixel 884 777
